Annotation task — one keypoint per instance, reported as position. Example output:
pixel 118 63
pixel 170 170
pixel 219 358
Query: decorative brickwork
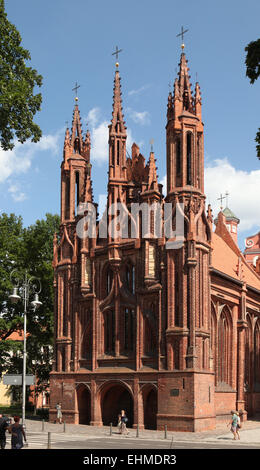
pixel 169 334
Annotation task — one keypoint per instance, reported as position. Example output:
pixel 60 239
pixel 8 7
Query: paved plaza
pixel 57 436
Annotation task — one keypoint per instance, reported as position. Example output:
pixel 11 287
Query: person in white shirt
pixel 238 424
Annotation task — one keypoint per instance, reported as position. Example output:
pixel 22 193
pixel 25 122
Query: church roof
pixel 229 214
pixel 225 260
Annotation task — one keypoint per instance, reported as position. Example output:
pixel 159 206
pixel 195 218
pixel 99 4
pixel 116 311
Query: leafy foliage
pixel 27 249
pixel 18 104
pixel 252 72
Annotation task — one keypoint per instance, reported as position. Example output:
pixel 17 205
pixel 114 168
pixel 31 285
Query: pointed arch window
pixel 178 156
pixel 86 340
pixel 130 278
pixel 113 153
pixel 118 152
pixel 129 330
pixel 109 332
pixel 64 304
pixel 213 348
pixel 189 163
pixel 224 348
pixel 149 337
pixel 76 191
pixel 248 355
pixel 67 198
pixel 198 160
pixel 257 357
pixel 177 290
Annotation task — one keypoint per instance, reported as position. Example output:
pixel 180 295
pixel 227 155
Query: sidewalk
pixel 250 432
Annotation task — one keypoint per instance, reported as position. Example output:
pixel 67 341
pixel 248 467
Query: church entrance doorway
pixel 114 398
pixel 83 401
pixel 150 407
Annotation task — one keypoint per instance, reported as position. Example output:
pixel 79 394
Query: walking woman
pixel 238 424
pixel 233 423
pixel 123 420
pixel 17 434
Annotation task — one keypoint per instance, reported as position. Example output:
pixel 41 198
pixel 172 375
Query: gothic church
pixel 170 335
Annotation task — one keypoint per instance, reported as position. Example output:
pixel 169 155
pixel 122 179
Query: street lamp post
pixel 25 288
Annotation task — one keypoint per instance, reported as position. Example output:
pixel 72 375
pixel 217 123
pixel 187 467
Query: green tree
pixel 11 320
pixel 38 240
pixel 27 249
pixel 18 104
pixel 252 72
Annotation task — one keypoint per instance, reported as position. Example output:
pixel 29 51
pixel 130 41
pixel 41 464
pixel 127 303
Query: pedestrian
pixel 59 413
pixel 17 434
pixel 238 424
pixel 124 420
pixel 4 422
pixel 233 422
pixel 119 423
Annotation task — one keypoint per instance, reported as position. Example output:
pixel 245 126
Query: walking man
pixel 4 422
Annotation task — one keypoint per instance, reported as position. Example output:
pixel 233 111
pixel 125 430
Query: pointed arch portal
pixel 149 396
pixel 114 398
pixel 83 404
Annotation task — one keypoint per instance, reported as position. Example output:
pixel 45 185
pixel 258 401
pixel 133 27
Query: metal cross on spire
pixel 151 143
pixel 182 36
pixel 76 90
pixel 221 199
pixel 117 51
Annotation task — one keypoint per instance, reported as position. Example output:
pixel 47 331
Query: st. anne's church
pixel 172 336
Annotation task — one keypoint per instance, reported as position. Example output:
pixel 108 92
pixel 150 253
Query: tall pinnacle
pixel 76 136
pixel 117 123
pixel 184 84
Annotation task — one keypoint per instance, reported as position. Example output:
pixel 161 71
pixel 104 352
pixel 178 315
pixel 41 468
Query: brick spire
pixel 117 123
pixel 197 100
pixel 183 88
pixel 185 161
pixel 117 136
pixel 76 136
pixel 152 174
pixel 87 146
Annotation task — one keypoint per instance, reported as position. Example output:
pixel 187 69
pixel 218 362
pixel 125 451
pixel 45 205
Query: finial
pixel 117 51
pixel 76 89
pixel 151 143
pixel 182 35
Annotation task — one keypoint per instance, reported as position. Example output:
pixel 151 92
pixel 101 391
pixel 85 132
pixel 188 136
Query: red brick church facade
pixel 170 335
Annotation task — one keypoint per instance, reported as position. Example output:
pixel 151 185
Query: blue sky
pixel 73 41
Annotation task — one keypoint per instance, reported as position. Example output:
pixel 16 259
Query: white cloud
pixel 242 186
pixel 164 183
pixel 16 193
pixel 93 116
pixel 99 142
pixel 138 90
pixel 139 117
pixel 99 134
pixel 18 160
